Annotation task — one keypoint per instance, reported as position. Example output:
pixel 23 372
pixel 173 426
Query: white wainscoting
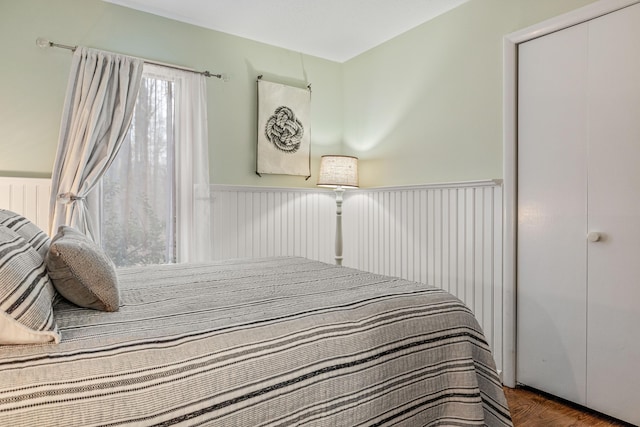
pixel 28 197
pixel 262 221
pixel 448 235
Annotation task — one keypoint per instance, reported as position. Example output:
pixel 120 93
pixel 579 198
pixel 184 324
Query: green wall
pixel 33 82
pixel 424 107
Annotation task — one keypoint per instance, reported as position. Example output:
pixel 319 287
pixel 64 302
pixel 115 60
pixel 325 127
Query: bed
pixel 261 342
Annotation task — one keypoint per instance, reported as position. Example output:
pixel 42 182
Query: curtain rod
pixel 41 42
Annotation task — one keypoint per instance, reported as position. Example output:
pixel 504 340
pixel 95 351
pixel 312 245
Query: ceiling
pixel 336 30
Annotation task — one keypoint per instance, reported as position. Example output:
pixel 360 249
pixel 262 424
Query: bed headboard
pixel 28 197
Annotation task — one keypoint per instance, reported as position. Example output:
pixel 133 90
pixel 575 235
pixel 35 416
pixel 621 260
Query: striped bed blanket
pixel 264 342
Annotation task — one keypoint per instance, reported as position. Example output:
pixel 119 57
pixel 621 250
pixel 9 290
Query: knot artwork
pixel 284 130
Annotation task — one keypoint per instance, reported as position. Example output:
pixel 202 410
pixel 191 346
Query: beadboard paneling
pixel 28 197
pixel 259 222
pixel 448 236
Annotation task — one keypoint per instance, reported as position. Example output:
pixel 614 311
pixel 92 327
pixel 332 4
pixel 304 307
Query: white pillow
pixel 26 293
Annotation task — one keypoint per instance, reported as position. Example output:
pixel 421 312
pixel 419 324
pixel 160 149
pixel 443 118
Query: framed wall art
pixel 284 133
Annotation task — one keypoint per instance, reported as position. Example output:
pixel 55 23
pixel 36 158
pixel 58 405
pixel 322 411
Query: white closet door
pixel 551 292
pixel 613 337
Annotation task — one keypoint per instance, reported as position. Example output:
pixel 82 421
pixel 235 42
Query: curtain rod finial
pixel 42 42
pixel 222 76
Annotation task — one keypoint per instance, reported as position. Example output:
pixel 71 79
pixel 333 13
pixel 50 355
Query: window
pixel 155 195
pixel 138 189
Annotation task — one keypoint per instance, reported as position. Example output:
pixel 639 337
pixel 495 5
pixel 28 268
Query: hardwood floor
pixel 532 409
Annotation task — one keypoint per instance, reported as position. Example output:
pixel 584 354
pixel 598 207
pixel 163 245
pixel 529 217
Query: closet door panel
pixel 613 331
pixel 551 277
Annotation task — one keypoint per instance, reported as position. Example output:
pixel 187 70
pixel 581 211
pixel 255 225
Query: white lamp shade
pixel 338 171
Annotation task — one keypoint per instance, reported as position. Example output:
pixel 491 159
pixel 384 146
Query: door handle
pixel 594 236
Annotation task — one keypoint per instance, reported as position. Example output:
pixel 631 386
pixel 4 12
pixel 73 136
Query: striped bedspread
pixel 264 342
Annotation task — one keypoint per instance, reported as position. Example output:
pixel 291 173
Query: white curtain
pixel 137 194
pixel 193 219
pixel 101 95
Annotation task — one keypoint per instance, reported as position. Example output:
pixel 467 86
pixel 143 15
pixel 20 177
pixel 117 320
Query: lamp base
pixel 339 192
